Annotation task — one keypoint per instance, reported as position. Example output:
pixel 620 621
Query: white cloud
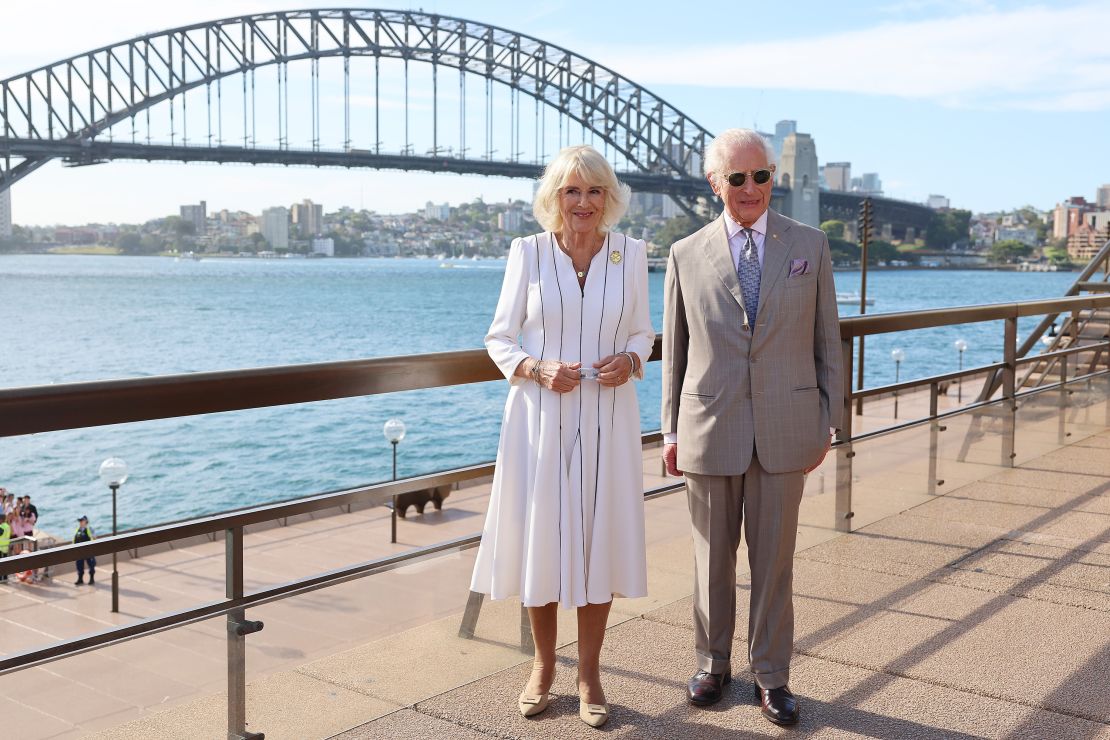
pixel 1034 58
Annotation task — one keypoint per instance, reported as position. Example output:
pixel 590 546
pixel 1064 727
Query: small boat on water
pixel 852 299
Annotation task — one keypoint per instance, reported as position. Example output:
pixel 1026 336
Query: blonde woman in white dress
pixel 565 525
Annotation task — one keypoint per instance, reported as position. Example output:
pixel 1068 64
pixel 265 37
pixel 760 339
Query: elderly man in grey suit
pixel 751 396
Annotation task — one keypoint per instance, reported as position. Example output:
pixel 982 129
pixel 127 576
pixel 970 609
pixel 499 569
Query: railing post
pixel 527 644
pixel 934 438
pixel 1009 389
pixel 844 452
pixel 1062 422
pixel 237 630
pixel 470 615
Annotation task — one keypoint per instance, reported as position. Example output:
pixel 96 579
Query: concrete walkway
pixel 982 613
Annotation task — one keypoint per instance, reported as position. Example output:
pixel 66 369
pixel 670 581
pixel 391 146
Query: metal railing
pixel 1006 371
pixel 58 407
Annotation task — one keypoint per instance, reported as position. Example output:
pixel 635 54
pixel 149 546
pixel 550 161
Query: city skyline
pixel 932 118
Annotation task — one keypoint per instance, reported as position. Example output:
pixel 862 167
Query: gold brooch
pixel 615 258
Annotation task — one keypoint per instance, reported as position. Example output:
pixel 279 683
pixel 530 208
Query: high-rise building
pixel 1102 197
pixel 798 172
pixel 324 246
pixel 782 130
pixel 442 212
pixel 197 216
pixel 936 202
pixel 1068 216
pixel 308 218
pixel 511 220
pixel 871 184
pixel 5 213
pixel 275 227
pixel 838 175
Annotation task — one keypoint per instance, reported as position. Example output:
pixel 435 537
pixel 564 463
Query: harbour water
pixel 66 319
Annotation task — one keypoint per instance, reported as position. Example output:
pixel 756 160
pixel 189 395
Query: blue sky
pixel 994 105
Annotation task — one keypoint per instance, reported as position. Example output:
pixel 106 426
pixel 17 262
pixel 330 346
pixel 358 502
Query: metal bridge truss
pixel 70 109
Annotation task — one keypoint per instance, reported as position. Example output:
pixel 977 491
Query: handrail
pixel 883 323
pixel 172 531
pixel 51 408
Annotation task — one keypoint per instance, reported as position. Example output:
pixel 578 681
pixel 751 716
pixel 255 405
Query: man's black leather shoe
pixel 778 705
pixel 705 688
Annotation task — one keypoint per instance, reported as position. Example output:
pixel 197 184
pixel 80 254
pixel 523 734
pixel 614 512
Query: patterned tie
pixel 747 269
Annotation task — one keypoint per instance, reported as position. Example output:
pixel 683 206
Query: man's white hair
pixel 716 154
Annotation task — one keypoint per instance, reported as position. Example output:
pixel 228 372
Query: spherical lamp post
pixel 394 431
pixel 960 346
pixel 897 355
pixel 113 473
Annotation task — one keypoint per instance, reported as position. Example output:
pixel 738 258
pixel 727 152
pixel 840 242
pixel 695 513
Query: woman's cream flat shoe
pixel 532 704
pixel 595 715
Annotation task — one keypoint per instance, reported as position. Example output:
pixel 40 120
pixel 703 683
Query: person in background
pixel 30 515
pixel 15 518
pixel 84 533
pixel 8 500
pixel 5 541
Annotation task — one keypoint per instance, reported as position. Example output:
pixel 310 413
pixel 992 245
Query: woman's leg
pixel 591 633
pixel 545 628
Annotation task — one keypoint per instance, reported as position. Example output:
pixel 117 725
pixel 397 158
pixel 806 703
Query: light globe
pixel 113 472
pixel 960 345
pixel 897 355
pixel 394 430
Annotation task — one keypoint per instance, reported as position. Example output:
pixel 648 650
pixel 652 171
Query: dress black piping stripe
pixel 562 330
pixel 612 392
pixel 616 332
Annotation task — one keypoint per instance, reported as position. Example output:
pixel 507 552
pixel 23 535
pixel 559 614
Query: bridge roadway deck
pixel 982 611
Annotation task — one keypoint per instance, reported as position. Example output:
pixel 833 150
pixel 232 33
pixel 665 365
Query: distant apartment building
pixel 5 213
pixel 1102 198
pixel 782 130
pixel 982 231
pixel 838 176
pixel 867 184
pixel 197 216
pixel 324 246
pixel 275 227
pixel 441 212
pixel 1088 237
pixel 511 220
pixel 1018 232
pixel 307 218
pixel 937 202
pixel 1068 216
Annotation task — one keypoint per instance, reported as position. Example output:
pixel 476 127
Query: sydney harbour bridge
pixel 361 88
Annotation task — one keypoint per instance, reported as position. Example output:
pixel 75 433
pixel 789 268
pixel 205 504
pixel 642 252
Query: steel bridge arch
pixel 59 109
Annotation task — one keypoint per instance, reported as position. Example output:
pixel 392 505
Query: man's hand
pixel 670 459
pixel 828 446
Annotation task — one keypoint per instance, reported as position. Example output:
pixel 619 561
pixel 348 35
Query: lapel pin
pixel 615 258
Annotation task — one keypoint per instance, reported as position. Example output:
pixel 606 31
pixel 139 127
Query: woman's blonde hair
pixel 587 163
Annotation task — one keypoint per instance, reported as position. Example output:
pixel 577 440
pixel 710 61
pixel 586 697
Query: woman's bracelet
pixel 631 359
pixel 535 372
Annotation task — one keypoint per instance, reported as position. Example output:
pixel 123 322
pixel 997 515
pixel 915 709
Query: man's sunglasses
pixel 759 177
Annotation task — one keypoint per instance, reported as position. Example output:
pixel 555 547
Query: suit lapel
pixel 715 247
pixel 777 246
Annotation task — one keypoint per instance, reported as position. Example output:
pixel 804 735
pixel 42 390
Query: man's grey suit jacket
pixel 728 390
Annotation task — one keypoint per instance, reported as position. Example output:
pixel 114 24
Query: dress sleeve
pixel 503 338
pixel 641 337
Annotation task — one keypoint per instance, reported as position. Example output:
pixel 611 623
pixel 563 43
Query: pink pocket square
pixel 799 268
